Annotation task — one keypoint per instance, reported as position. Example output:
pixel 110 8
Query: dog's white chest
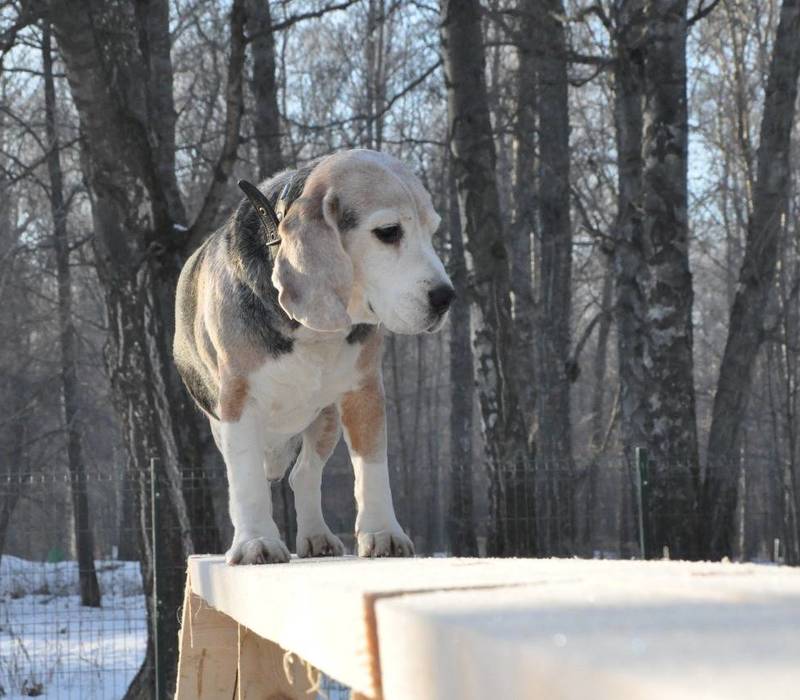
pixel 289 392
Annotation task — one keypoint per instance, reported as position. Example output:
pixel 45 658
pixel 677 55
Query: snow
pixel 48 639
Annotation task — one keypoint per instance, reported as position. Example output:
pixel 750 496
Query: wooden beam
pixel 208 652
pixel 267 672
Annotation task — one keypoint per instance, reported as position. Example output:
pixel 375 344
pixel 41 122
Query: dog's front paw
pixel 392 542
pixel 319 544
pixel 259 550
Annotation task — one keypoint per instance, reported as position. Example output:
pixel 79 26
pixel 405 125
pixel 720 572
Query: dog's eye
pixel 388 234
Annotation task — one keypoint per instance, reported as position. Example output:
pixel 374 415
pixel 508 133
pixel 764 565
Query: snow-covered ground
pixel 53 647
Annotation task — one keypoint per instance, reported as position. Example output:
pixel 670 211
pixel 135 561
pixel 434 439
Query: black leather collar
pixel 269 216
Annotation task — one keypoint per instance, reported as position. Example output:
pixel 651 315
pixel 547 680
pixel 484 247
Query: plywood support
pixel 208 652
pixel 266 672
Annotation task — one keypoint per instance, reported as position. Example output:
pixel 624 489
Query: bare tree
pixel 263 84
pixel 84 538
pixel 746 333
pixel 15 356
pixel 628 248
pixel 512 528
pixel 553 263
pixel 175 99
pixel 460 517
pixel 597 414
pixel 524 223
pixel 654 285
pixel 119 68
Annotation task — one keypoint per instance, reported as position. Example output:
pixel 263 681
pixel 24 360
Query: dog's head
pixel 356 248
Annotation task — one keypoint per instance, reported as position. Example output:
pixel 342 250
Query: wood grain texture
pixel 207 664
pixel 263 675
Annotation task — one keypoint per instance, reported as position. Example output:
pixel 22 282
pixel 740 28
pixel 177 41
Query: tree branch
pixel 386 107
pixel 702 12
pixel 28 15
pixel 590 59
pixel 598 11
pixel 573 363
pixel 234 106
pixel 316 14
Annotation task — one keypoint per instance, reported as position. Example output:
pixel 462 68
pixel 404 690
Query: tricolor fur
pixel 284 352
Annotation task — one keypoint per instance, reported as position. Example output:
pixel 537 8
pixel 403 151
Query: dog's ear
pixel 312 272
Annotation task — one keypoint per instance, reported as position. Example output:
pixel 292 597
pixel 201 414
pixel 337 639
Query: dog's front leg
pixel 364 419
pixel 256 539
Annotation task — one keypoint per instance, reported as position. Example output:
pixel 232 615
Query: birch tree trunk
pixel 524 223
pixel 629 264
pixel 553 286
pixel 460 523
pixel 512 527
pixel 668 359
pixel 599 370
pixel 654 285
pixel 84 537
pixel 745 331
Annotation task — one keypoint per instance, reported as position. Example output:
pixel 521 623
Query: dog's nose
pixel 441 297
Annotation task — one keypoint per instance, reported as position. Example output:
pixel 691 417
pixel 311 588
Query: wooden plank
pixel 208 643
pixel 322 608
pixel 267 672
pixel 665 630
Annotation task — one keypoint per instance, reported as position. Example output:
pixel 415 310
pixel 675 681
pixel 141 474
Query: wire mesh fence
pixel 51 645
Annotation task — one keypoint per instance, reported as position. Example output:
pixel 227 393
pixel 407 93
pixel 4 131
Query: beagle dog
pixel 280 345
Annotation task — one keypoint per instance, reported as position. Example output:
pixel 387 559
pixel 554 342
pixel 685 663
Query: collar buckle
pixel 269 217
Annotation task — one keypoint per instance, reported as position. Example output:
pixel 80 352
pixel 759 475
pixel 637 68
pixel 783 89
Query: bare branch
pixel 291 20
pixel 29 14
pixel 702 12
pixel 234 106
pixel 386 107
pixel 590 59
pixel 573 363
pixel 598 11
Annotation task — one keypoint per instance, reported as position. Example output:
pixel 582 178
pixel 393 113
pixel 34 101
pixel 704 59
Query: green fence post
pixel 155 521
pixel 642 493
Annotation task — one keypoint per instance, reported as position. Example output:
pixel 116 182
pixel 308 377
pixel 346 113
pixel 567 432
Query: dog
pixel 280 345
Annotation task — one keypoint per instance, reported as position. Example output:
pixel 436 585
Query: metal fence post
pixel 641 494
pixel 155 510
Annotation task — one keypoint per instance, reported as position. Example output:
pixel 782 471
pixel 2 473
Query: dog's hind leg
pixel 256 539
pixel 314 538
